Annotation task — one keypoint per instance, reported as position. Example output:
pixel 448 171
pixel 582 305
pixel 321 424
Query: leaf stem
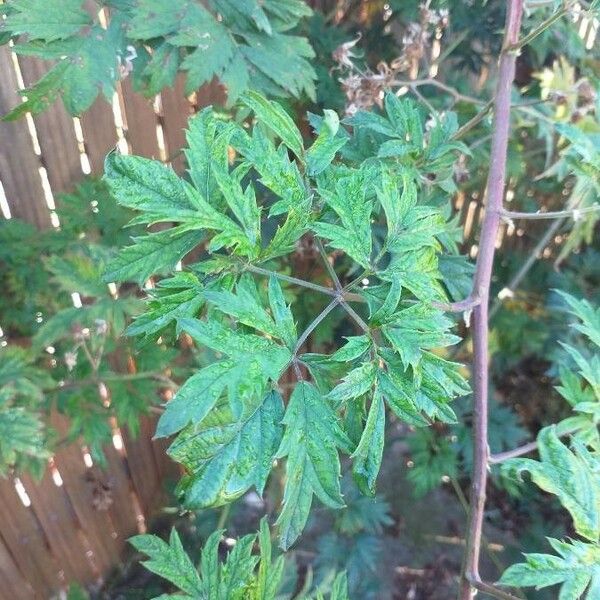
pixel 334 278
pixel 492 590
pixel 542 26
pixel 481 289
pixel 357 318
pixel 501 457
pixel 314 325
pixel 293 280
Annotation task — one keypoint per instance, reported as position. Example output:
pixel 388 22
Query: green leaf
pixel 33 18
pixel 276 119
pixel 587 314
pixel 368 454
pixel 282 314
pixel 571 476
pixel 169 560
pixel 416 328
pixel 245 306
pixel 269 572
pixel 151 254
pixel 310 442
pixel 270 356
pixel 577 568
pixel 322 152
pixel 149 186
pixel 242 204
pixel 348 200
pixel 226 455
pixel 355 347
pixel 356 383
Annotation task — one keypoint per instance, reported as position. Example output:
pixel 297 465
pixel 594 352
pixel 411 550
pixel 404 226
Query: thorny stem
pixel 553 214
pixel 495 459
pixel 492 590
pixel 531 259
pixel 543 26
pixel 483 273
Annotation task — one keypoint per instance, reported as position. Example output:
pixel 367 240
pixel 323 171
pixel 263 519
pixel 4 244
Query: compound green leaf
pixel 226 455
pixel 310 443
pixel 366 459
pixel 323 151
pixel 273 116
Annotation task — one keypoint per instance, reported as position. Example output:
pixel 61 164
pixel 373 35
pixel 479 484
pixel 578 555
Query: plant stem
pixel 531 259
pixel 495 459
pixel 314 325
pixel 294 280
pixel 357 318
pixel 542 26
pixel 492 590
pixel 553 214
pixel 481 289
pixel 334 278
pixel 116 377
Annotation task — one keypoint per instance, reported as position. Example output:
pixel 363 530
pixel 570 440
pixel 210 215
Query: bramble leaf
pixel 310 443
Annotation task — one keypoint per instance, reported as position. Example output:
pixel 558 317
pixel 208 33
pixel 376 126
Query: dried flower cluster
pixel 364 89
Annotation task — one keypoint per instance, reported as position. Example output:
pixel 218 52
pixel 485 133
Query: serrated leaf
pixel 32 17
pixel 151 254
pixel 226 455
pixel 356 346
pixel 310 443
pixel 323 151
pixel 366 459
pixel 354 384
pixel 416 328
pixel 571 476
pixel 282 314
pixel 577 569
pixel 276 119
pixel 348 201
pixel 170 561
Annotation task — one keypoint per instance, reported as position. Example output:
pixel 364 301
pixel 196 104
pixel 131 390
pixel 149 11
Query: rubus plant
pixel 249 218
pixel 242 575
pixel 373 190
pixel 96 44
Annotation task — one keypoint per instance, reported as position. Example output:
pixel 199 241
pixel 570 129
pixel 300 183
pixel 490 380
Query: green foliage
pixel 241 575
pixel 571 474
pixel 22 434
pixel 245 44
pixel 228 414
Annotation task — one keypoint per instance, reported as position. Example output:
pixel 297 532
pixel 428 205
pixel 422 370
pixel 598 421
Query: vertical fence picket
pixel 63 532
pixel 29 548
pixel 99 133
pixel 140 122
pixel 14 586
pixel 19 165
pixel 55 133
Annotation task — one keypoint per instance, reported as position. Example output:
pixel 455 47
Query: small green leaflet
pixel 571 476
pixel 356 383
pixel 38 20
pixel 152 253
pixel 270 356
pixel 275 118
pixel 416 328
pixel 348 201
pixel 577 569
pixel 169 560
pixel 310 443
pixel 226 455
pixel 369 452
pixel 324 148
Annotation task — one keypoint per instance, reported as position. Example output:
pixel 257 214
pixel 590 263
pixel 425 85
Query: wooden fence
pixel 73 524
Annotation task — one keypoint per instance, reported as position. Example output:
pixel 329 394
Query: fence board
pixel 140 122
pixel 22 533
pixel 56 516
pixel 142 465
pixel 19 166
pixel 176 110
pixel 119 485
pixel 14 587
pixel 55 133
pixel 96 523
pixel 99 133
